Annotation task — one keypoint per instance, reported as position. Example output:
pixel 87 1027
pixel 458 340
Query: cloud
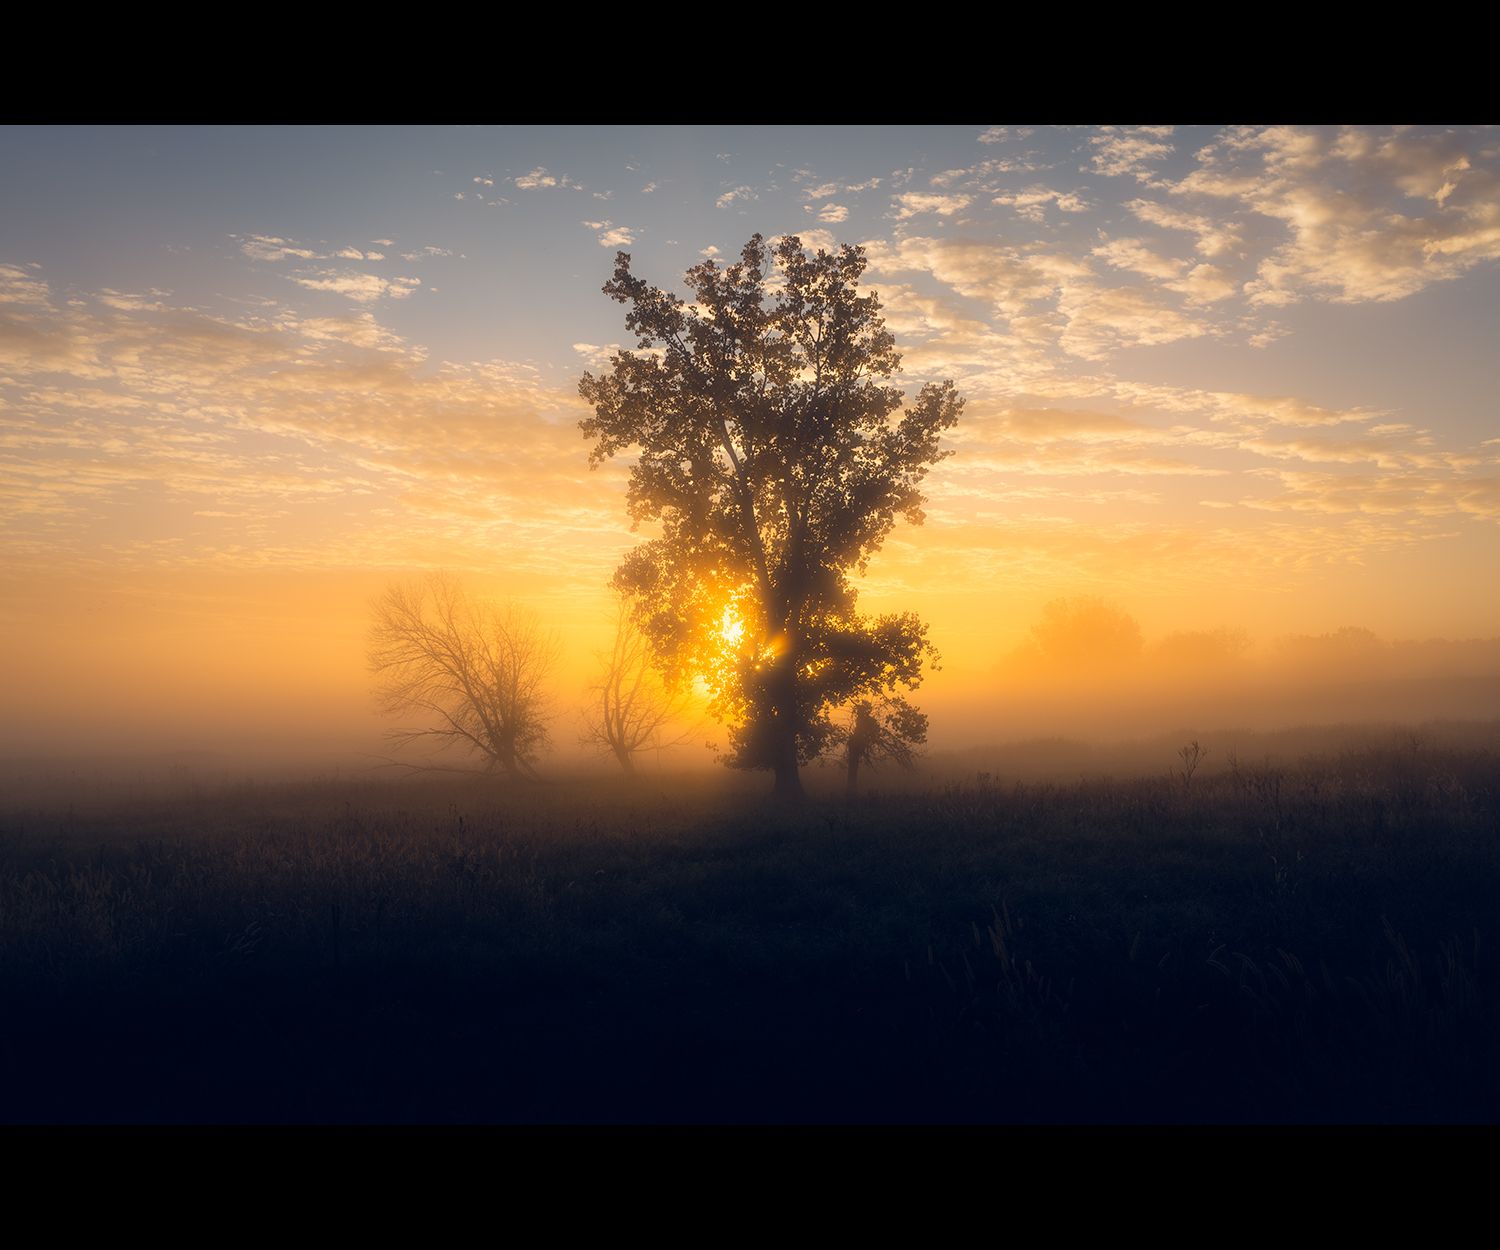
pixel 595 356
pixel 1102 320
pixel 818 240
pixel 1135 256
pixel 309 443
pixel 611 235
pixel 911 314
pixel 1201 283
pixel 1081 460
pixel 275 249
pixel 540 178
pixel 1364 216
pixel 982 176
pixel 125 403
pixel 1268 334
pixel 18 286
pixel 827 190
pixel 123 301
pixel 1120 151
pixel 648 188
pixel 355 329
pixel 173 438
pixel 1008 278
pixel 1385 495
pixel 1050 298
pixel 1239 412
pixel 363 288
pixel 1032 202
pixel 736 193
pixel 1062 424
pixel 912 203
pixel 271 248
pixel 1390 446
pixel 1207 284
pixel 1213 238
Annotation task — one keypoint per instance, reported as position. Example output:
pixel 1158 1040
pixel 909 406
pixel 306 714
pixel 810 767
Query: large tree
pixel 775 457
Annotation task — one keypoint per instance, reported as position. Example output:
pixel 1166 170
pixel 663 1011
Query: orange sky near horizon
pixel 201 490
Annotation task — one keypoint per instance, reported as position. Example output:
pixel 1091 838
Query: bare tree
pixel 476 673
pixel 1191 756
pixel 632 709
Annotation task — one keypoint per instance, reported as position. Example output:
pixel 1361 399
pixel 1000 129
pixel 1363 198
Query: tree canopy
pixel 1087 635
pixel 775 457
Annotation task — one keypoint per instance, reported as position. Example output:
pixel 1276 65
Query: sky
pixel 1219 376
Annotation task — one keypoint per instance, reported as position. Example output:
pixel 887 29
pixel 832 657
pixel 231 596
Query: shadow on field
pixel 1284 942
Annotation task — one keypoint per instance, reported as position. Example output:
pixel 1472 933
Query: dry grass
pixel 1293 940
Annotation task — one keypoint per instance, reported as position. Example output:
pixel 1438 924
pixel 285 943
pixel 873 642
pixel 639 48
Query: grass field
pixel 1304 938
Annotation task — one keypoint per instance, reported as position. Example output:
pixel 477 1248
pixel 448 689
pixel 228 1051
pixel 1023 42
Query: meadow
pixel 1299 931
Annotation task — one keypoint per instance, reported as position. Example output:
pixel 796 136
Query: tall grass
pixel 1281 940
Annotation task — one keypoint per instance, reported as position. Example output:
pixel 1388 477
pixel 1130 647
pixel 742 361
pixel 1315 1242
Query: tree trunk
pixel 788 780
pixel 626 762
pixel 861 736
pixel 784 758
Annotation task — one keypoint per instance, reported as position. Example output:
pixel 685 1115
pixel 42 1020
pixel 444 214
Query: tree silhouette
pixel 1202 651
pixel 888 728
pixel 475 672
pixel 771 454
pixel 632 709
pixel 1344 654
pixel 1087 635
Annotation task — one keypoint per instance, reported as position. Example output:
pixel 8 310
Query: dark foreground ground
pixel 1304 940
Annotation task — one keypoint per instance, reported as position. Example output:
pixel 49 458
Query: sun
pixel 731 628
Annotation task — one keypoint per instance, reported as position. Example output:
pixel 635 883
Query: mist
pixel 866 625
pixel 1088 671
pixel 285 691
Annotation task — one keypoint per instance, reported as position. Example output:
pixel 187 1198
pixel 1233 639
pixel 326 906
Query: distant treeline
pixel 1091 640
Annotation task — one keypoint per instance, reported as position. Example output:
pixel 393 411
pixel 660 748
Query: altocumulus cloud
pixel 363 288
pixel 296 441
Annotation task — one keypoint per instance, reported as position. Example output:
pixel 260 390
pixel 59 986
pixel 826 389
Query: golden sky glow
pixel 1240 378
